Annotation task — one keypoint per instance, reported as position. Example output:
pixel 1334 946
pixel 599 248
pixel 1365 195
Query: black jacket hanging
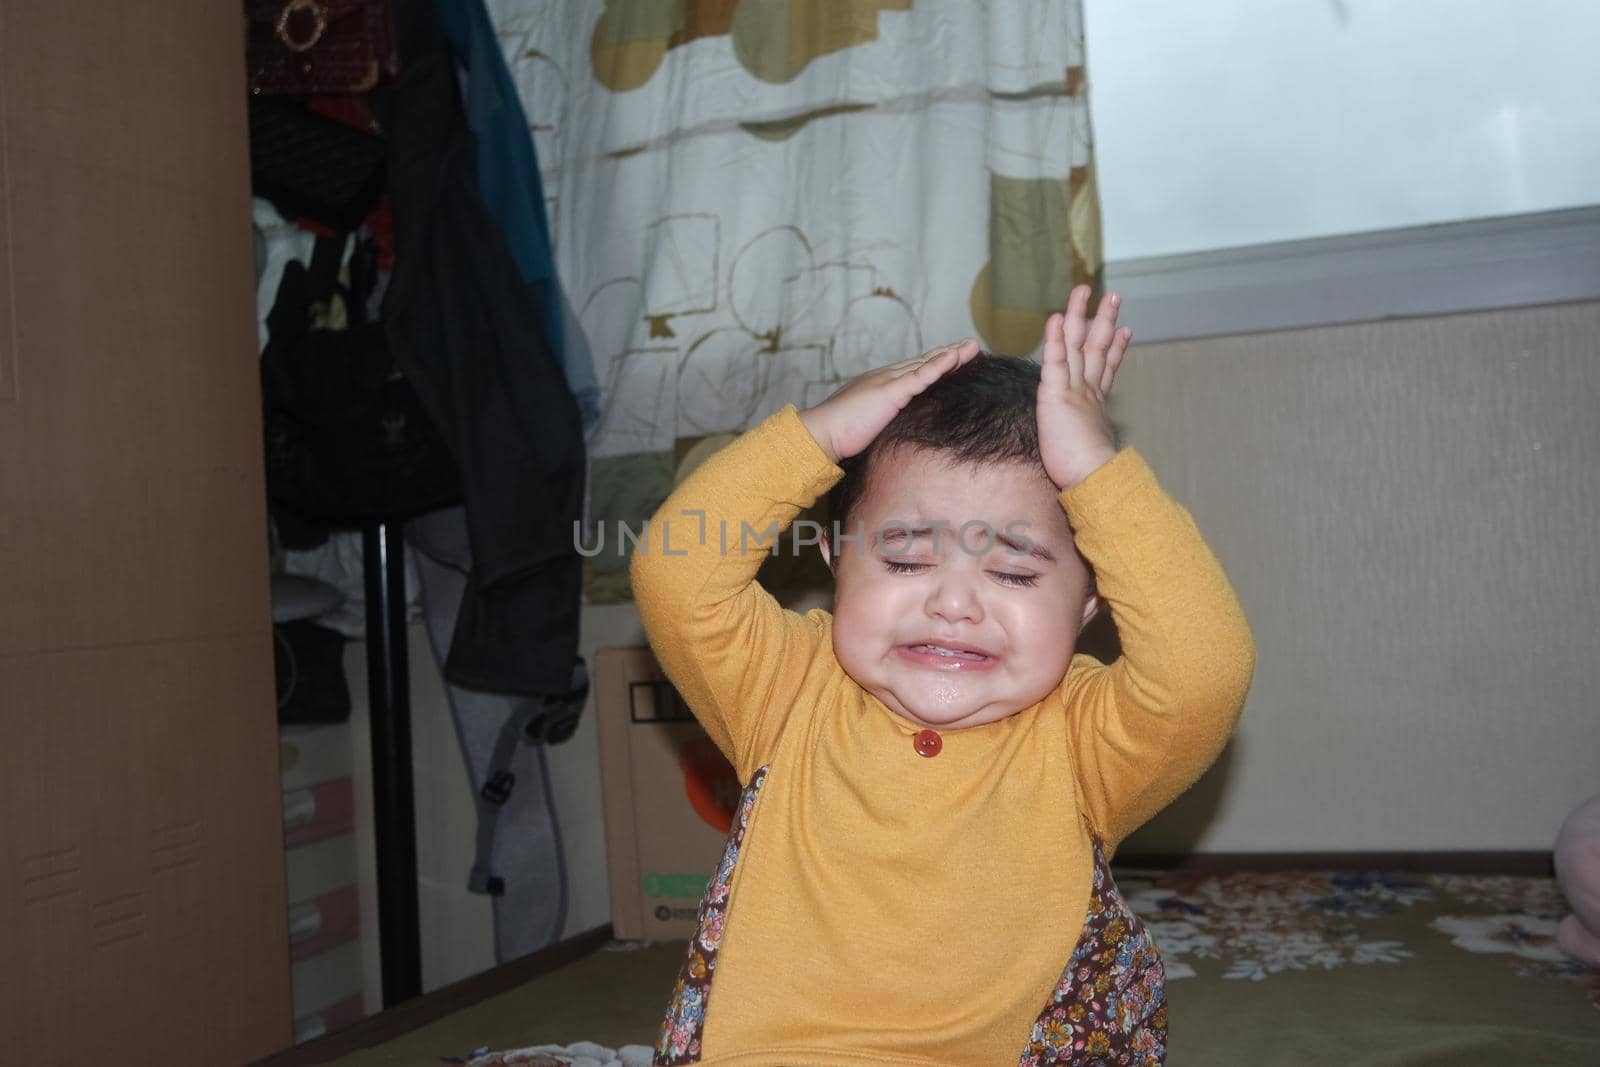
pixel 347 441
pixel 467 333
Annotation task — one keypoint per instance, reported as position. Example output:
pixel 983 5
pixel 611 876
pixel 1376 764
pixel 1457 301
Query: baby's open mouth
pixel 940 650
pixel 953 655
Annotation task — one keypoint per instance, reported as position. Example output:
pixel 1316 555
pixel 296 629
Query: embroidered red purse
pixel 306 47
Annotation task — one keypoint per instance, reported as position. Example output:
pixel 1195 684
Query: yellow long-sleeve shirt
pixel 883 907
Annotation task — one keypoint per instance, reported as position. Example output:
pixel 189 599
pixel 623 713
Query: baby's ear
pixel 822 546
pixel 1091 608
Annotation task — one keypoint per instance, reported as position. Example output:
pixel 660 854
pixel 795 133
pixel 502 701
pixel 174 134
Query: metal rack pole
pixel 393 803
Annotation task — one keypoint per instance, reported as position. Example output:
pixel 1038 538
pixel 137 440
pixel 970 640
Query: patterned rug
pixel 1255 925
pixel 1300 968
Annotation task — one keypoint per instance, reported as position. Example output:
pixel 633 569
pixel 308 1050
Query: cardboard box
pixel 669 797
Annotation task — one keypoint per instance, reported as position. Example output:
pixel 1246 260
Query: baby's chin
pixel 953 715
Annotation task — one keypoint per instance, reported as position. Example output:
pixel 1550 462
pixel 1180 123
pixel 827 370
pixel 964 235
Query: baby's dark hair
pixel 982 412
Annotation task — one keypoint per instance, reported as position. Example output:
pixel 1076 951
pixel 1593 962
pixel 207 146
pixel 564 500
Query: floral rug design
pixel 1259 924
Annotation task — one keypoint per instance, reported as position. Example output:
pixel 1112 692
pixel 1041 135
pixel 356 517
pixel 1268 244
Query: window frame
pixel 1513 261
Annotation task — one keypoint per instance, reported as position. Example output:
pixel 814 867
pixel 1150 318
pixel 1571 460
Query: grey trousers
pixel 518 858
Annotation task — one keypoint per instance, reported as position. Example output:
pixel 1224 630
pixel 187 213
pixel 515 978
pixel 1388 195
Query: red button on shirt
pixel 927 743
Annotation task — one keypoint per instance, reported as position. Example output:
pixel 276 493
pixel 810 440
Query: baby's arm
pixel 733 653
pixel 1143 729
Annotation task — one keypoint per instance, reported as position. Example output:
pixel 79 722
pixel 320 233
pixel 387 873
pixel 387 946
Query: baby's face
pixel 951 632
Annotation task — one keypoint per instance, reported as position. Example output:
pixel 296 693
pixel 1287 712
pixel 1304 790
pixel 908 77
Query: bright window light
pixel 1226 123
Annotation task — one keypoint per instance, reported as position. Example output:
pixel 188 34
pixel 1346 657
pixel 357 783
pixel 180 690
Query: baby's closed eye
pixel 1011 578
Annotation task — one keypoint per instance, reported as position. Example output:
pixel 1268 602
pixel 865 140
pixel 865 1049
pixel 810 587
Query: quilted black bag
pixel 347 441
pixel 314 167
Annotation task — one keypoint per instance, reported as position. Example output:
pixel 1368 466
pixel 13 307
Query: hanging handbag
pixel 347 440
pixel 302 47
pixel 313 167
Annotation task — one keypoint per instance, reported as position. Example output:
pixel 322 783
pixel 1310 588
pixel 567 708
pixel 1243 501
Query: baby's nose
pixel 956 596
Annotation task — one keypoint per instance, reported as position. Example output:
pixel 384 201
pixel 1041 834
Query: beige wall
pixel 1408 511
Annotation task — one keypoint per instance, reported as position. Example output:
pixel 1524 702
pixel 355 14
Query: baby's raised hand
pixel 1079 362
pixel 849 420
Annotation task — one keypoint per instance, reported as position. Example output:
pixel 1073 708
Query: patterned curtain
pixel 753 201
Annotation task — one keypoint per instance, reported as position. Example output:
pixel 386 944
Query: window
pixel 1334 160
